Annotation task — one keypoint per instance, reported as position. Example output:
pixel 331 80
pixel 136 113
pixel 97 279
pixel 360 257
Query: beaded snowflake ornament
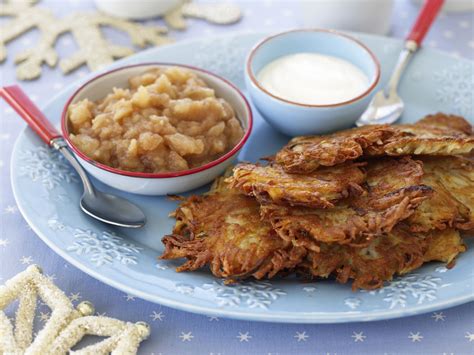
pixel 94 50
pixel 66 326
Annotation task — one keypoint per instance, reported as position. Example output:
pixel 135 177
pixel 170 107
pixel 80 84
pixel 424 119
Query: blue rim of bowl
pixel 254 80
pixel 226 156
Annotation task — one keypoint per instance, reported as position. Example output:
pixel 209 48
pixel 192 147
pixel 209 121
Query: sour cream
pixel 313 79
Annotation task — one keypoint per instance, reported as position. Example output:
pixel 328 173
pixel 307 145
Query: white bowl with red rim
pixel 167 182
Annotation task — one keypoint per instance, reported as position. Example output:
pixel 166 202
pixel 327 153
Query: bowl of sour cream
pixel 311 81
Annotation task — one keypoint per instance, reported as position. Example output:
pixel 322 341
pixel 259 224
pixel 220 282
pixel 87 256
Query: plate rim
pixel 238 314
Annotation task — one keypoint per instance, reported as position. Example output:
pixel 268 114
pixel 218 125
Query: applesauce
pixel 168 119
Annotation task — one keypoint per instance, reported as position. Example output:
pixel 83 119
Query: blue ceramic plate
pixel 47 192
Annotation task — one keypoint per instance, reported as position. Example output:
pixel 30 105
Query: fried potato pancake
pixel 437 134
pixel 397 252
pixel 452 202
pixel 449 122
pixel 320 189
pixel 319 210
pixel 393 191
pixel 223 230
pixel 444 246
pixel 307 153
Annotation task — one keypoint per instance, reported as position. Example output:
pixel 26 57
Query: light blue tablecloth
pixel 173 332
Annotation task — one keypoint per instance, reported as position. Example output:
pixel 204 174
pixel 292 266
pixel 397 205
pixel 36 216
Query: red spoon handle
pixel 424 21
pixel 18 100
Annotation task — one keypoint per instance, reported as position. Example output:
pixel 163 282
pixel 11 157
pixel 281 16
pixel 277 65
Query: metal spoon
pixel 107 208
pixel 386 106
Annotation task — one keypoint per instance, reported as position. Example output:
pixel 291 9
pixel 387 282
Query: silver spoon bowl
pixel 386 106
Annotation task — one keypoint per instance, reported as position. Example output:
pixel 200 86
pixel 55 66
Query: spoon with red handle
pixel 107 208
pixel 386 106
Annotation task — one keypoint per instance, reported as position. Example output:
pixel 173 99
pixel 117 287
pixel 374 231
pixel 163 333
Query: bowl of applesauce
pixel 156 128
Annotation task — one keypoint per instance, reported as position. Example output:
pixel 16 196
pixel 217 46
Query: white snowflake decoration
pixel 441 269
pixel 64 326
pixel 86 29
pixel 61 198
pixel 301 336
pixel 456 87
pixel 46 166
pixel 157 316
pixel 104 248
pixel 358 337
pixel 223 58
pixel 121 337
pixel 186 336
pixel 161 266
pixel 252 294
pixel 17 337
pixel 420 288
pixel 244 337
pixel 352 302
pixel 55 224
pixel 184 289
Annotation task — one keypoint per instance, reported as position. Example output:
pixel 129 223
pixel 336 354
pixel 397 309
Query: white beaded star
pixel 122 337
pixel 27 286
pixel 64 327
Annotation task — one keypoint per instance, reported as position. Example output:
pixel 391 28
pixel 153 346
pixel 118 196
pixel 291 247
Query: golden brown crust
pixel 438 212
pixel 456 176
pixel 437 134
pixel 452 202
pixel 433 135
pixel 223 230
pixel 444 246
pixel 364 222
pixel 393 192
pixel 320 189
pixel 451 122
pixel 306 154
pixel 398 252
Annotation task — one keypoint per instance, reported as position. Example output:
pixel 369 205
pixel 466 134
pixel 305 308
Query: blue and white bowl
pixel 293 118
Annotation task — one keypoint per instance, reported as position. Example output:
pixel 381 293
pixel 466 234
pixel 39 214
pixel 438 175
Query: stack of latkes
pixel 363 204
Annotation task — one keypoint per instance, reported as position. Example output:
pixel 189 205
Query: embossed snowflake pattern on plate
pixel 184 289
pixel 101 247
pixel 420 288
pixel 224 56
pixel 251 294
pixel 456 87
pixel 352 302
pixel 46 166
pixel 104 247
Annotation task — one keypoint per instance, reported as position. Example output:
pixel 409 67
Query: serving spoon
pixel 386 106
pixel 106 208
